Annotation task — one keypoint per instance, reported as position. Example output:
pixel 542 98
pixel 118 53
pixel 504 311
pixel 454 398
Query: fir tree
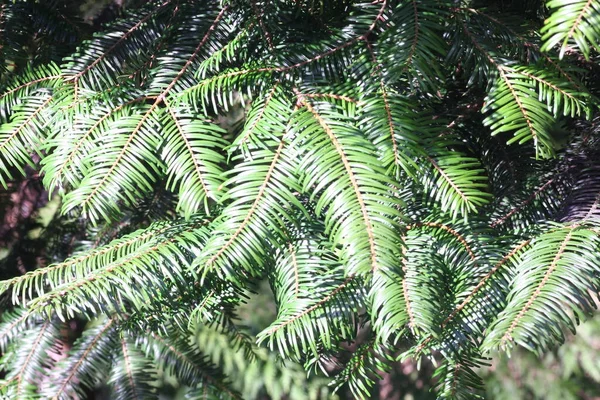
pixel 412 179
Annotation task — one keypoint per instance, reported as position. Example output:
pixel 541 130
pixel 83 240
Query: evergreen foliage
pixel 412 179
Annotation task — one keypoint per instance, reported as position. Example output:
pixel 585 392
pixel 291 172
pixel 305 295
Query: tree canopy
pixel 410 179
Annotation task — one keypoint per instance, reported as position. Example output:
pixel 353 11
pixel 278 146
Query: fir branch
pixel 76 77
pixel 352 177
pixel 540 286
pixel 524 203
pixel 482 282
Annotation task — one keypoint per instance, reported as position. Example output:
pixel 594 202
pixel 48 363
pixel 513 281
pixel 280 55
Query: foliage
pixel 412 179
pixel 569 372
